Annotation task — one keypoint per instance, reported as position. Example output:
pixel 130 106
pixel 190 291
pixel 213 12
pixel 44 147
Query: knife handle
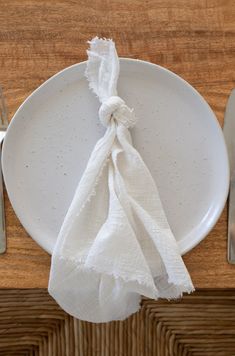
pixel 2 211
pixel 231 222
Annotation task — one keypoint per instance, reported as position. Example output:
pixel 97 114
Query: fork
pixel 3 128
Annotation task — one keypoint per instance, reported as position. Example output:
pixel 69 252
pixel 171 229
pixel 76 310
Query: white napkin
pixel 115 243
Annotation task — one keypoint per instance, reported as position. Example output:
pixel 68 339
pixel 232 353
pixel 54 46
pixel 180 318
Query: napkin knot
pixel 115 108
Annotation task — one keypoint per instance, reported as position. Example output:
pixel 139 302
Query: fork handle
pixel 2 210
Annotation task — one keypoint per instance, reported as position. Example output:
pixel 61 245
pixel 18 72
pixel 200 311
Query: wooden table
pixel 193 38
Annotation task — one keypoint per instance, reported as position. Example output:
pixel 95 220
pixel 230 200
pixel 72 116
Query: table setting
pixel 131 183
pixel 117 190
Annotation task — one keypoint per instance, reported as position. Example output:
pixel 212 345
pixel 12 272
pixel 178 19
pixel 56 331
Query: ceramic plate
pixel 52 134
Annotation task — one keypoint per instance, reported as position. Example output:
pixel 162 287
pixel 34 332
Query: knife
pixel 3 128
pixel 229 134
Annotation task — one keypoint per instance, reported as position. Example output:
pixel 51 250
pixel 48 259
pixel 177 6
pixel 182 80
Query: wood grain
pixel 194 38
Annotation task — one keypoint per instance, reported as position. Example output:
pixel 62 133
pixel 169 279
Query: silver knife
pixel 229 134
pixel 3 128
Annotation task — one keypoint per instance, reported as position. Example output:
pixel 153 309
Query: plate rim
pixel 181 244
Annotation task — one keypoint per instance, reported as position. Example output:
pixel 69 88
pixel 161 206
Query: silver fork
pixel 3 128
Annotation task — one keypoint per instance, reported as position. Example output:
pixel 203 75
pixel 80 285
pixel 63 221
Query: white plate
pixel 52 135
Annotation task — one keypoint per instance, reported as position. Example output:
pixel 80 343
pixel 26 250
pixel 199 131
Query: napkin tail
pixel 89 295
pixel 176 279
pixel 147 207
pixel 102 69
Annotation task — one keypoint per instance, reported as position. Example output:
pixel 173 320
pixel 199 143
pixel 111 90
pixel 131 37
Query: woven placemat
pixel 203 323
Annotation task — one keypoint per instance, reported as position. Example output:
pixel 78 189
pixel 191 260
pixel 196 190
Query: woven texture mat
pixel 31 324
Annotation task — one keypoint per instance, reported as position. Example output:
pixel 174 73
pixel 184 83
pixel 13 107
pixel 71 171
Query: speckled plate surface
pixel 52 135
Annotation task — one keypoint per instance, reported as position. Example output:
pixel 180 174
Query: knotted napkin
pixel 115 243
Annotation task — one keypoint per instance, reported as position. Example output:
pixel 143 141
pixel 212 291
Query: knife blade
pixel 229 135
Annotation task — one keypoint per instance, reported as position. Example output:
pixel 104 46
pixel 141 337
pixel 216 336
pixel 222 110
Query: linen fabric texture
pixel 115 243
